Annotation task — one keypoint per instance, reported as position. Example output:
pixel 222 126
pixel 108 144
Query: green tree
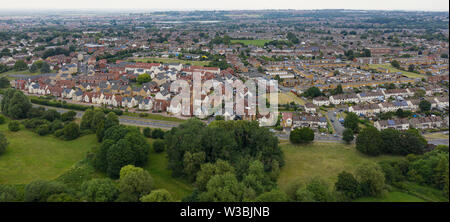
pixel 143 78
pixel 99 190
pixel 43 130
pixel 301 135
pixel 15 104
pixel 41 190
pixel 313 92
pixel 371 178
pixel 348 185
pixel 45 68
pixel 160 195
pixel 134 183
pixel 395 64
pixel 86 119
pixel 71 131
pixel 157 133
pixel 33 68
pixel 348 135
pixel 424 105
pixel 68 116
pixel 119 155
pixel 369 141
pixel 351 121
pixel 20 65
pixel 147 132
pixel 4 82
pixel 223 188
pixel 208 170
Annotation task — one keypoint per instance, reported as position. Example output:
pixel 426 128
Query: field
pixel 325 160
pixel 30 156
pixel 172 60
pixel 256 42
pixel 289 97
pixel 430 136
pixel 394 70
pixel 157 167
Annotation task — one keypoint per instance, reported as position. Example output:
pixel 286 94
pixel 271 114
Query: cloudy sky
pixel 428 5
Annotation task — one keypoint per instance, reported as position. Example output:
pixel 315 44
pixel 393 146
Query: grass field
pixel 392 69
pixel 436 136
pixel 172 60
pixel 152 116
pixel 289 97
pixel 325 160
pixel 30 156
pixel 256 42
pixel 157 167
pixel 394 196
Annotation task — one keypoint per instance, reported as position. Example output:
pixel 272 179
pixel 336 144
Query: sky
pixel 420 5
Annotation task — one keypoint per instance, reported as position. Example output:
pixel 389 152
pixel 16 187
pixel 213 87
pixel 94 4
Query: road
pixel 338 128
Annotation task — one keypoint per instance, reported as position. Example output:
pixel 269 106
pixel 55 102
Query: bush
pixel 3 143
pixel 147 132
pixel 158 146
pixel 302 135
pixel 14 126
pixel 71 131
pixel 158 134
pixel 43 130
pixel 68 116
pixel 56 125
pixel 41 190
pixel 59 133
pixel 2 119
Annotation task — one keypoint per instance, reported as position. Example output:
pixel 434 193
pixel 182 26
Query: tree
pixel 20 65
pixel 223 188
pixel 424 105
pixel 45 68
pixel 338 90
pixel 348 135
pixel 313 92
pixel 51 115
pixel 8 193
pixel 134 183
pixel 157 133
pixel 61 197
pixel 71 131
pixel 143 78
pixel 2 119
pixel 86 119
pixel 369 141
pixel 56 125
pixel 147 132
pixel 68 116
pixel 348 185
pixel 304 195
pixel 208 170
pixel 4 82
pixel 371 178
pixel 3 143
pixel 320 190
pixel 33 68
pixel 256 179
pixel 158 146
pixel 99 190
pixel 395 64
pixel 160 195
pixel 15 104
pixel 41 190
pixel 14 125
pixel 351 121
pixel 119 155
pixel 301 135
pixel 411 68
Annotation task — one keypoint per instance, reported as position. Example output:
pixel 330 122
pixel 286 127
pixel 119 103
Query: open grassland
pixel 171 60
pixel 157 167
pixel 284 98
pixel 325 160
pixel 256 42
pixel 394 70
pixel 30 156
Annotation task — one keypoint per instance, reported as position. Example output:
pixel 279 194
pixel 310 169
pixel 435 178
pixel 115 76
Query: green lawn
pixel 30 156
pixel 393 70
pixel 325 160
pixel 256 42
pixel 394 196
pixel 172 60
pixel 152 116
pixel 157 167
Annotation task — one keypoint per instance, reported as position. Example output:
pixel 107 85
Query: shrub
pixel 43 130
pixel 302 135
pixel 14 126
pixel 158 146
pixel 147 132
pixel 3 143
pixel 157 134
pixel 2 119
pixel 59 133
pixel 71 131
